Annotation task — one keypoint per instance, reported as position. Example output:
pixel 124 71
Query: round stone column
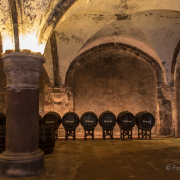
pixel 22 156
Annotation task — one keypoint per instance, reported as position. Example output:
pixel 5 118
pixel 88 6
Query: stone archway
pixel 115 47
pixel 163 105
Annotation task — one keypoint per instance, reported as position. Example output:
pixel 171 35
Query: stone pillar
pixel 174 128
pixel 169 93
pixel 22 156
pixel 159 108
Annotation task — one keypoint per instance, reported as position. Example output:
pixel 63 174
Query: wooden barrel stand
pixel 108 132
pixel 126 132
pixel 71 133
pixel 89 133
pixel 144 133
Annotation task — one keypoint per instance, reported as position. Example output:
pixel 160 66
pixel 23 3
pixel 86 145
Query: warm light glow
pixel 7 43
pixel 30 41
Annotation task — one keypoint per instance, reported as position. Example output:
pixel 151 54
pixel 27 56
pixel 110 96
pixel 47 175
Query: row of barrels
pixel 107 120
pixel 89 121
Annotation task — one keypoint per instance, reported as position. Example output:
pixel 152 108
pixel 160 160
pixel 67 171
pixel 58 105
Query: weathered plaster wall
pixel 54 14
pixel 115 82
pixel 2 89
pixel 40 17
pixel 73 33
pixel 162 29
pixel 44 103
pixel 49 63
pixel 121 31
pixel 52 98
pixel 5 22
pixel 121 6
pixel 166 122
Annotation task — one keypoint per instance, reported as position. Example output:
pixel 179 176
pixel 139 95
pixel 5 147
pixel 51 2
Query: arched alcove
pixel 115 77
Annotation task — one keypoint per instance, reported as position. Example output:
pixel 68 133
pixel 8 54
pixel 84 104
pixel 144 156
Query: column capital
pixel 22 70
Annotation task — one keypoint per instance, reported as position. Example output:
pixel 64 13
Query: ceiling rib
pixel 14 15
pixel 55 16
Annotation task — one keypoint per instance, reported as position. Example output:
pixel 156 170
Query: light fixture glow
pixel 7 43
pixel 30 41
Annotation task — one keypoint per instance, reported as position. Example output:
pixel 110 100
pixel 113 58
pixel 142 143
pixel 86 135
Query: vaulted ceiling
pixel 152 26
pixel 41 16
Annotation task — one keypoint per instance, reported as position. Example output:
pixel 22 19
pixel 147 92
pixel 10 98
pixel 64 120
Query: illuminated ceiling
pixel 39 17
pixel 152 26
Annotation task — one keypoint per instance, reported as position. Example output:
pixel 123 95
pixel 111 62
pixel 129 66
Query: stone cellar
pixel 77 56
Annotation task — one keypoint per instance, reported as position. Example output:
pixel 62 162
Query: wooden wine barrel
pixel 70 121
pixel 40 120
pixel 107 120
pixel 2 119
pixel 89 120
pixel 144 120
pixel 46 139
pixel 52 119
pixel 2 138
pixel 126 120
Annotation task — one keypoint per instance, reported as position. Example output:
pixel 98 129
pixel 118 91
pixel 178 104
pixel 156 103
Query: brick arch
pixel 113 47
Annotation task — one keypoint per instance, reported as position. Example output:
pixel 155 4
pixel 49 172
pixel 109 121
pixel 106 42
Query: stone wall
pixel 44 85
pixel 166 122
pixel 112 81
pixel 115 82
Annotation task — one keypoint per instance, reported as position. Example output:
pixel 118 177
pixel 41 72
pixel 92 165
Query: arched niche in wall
pixel 119 77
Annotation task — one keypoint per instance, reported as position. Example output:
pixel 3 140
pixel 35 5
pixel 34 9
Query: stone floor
pixel 158 158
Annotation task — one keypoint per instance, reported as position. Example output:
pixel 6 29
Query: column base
pixel 21 164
